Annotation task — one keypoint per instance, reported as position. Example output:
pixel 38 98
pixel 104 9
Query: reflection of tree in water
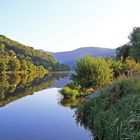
pixel 82 121
pixel 15 86
pixel 59 75
pixel 71 103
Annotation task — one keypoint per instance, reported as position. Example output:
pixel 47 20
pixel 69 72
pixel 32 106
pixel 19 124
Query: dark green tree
pixel 123 52
pixel 135 40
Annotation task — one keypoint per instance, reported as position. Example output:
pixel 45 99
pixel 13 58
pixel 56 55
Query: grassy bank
pixel 115 114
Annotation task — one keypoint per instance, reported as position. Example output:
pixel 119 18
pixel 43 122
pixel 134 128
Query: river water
pixel 33 110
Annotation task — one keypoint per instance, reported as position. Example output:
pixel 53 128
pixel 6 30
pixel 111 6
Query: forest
pixel 15 56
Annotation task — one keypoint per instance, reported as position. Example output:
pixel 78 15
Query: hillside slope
pixel 35 56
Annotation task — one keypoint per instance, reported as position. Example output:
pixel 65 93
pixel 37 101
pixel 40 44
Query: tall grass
pixel 115 114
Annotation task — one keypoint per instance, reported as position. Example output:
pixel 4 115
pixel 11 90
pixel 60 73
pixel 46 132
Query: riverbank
pixel 115 114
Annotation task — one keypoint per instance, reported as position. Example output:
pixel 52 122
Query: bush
pixel 92 72
pixel 67 92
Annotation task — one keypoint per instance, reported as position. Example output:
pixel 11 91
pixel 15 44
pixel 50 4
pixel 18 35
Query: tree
pixel 135 40
pixel 3 66
pixel 12 53
pixel 123 52
pixel 14 65
pixel 92 72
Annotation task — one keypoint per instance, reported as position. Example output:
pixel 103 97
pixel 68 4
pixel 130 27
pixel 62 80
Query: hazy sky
pixel 60 25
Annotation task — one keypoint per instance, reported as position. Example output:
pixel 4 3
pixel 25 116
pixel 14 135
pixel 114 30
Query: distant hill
pixel 70 57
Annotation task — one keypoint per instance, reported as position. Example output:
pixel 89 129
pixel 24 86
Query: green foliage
pixel 67 92
pixel 9 64
pixel 127 67
pixel 92 72
pixel 135 40
pixel 25 50
pixel 3 66
pixel 14 65
pixel 117 66
pixel 131 66
pixel 35 56
pixel 2 48
pixel 132 49
pixel 11 53
pixel 115 114
pixel 15 57
pixel 74 85
pixel 24 65
pixel 123 52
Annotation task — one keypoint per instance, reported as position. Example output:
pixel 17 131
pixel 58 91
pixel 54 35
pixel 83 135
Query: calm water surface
pixel 31 111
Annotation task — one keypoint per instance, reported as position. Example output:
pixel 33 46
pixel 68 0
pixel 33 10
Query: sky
pixel 63 25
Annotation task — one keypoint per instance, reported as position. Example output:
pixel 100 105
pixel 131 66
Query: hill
pixel 70 57
pixel 36 57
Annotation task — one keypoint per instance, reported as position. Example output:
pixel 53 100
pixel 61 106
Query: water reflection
pixel 71 103
pixel 39 116
pixel 81 121
pixel 15 86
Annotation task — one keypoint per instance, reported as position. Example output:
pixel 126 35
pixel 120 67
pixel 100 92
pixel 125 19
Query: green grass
pixel 115 114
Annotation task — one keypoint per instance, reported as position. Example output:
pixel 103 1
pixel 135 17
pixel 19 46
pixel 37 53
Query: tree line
pixel 10 62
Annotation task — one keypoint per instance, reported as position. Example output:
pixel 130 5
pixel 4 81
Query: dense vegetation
pixel 93 73
pixel 9 63
pixel 28 55
pixel 115 114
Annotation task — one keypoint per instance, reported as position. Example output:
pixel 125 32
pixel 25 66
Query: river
pixel 33 110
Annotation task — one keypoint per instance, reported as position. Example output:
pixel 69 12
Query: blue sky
pixel 61 25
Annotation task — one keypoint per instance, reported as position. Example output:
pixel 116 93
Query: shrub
pixel 67 92
pixel 92 72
